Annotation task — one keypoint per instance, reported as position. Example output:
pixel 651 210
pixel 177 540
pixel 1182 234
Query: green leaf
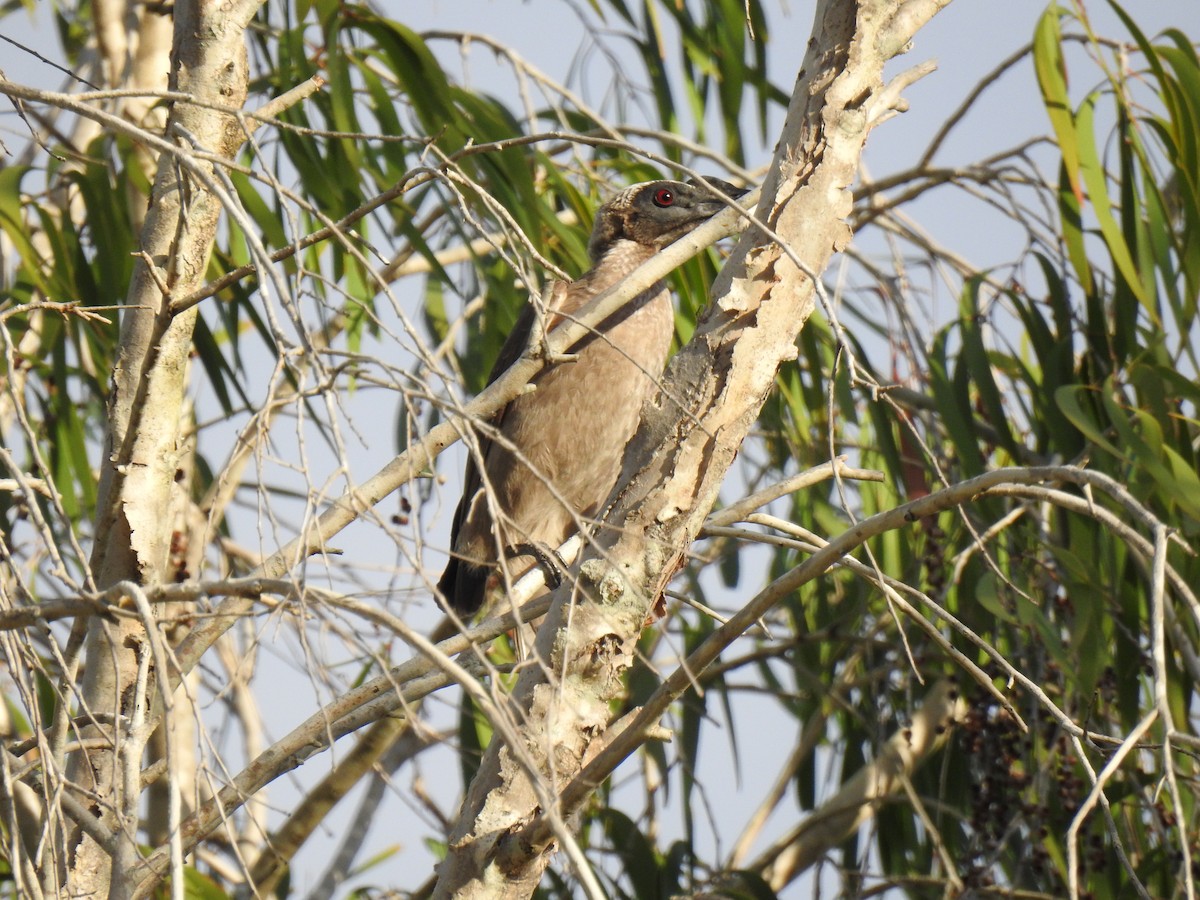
pixel 13 225
pixel 375 859
pixel 1096 180
pixel 1070 208
pixel 474 734
pixel 197 886
pixel 639 862
pixel 1089 644
pixel 1068 400
pixel 269 221
pixel 1031 616
pixel 952 396
pixel 979 364
pixel 987 595
pixel 216 366
pixel 417 70
pixel 1051 70
pixel 1144 445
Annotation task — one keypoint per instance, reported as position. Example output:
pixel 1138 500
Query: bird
pixel 548 460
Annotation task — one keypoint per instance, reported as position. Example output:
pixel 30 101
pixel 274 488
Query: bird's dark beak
pixel 717 184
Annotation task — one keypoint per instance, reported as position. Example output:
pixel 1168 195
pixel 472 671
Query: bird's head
pixel 657 213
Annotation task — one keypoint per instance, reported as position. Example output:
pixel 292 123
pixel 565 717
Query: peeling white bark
pixel 142 443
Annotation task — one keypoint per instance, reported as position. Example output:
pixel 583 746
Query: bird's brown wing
pixel 462 584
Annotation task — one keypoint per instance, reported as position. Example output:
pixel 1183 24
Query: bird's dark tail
pixel 462 584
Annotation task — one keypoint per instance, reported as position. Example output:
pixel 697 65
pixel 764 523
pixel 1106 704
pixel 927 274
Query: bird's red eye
pixel 664 197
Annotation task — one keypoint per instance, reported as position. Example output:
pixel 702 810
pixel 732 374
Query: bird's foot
pixel 548 560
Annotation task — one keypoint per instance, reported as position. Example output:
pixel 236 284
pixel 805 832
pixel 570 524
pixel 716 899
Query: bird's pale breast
pixel 567 437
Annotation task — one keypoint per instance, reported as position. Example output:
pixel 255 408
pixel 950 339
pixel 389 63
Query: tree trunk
pixel 145 411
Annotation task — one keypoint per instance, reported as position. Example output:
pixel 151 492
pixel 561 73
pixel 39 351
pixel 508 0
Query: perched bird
pixel 550 457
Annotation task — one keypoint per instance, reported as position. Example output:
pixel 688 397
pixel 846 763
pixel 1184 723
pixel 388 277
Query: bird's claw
pixel 552 565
